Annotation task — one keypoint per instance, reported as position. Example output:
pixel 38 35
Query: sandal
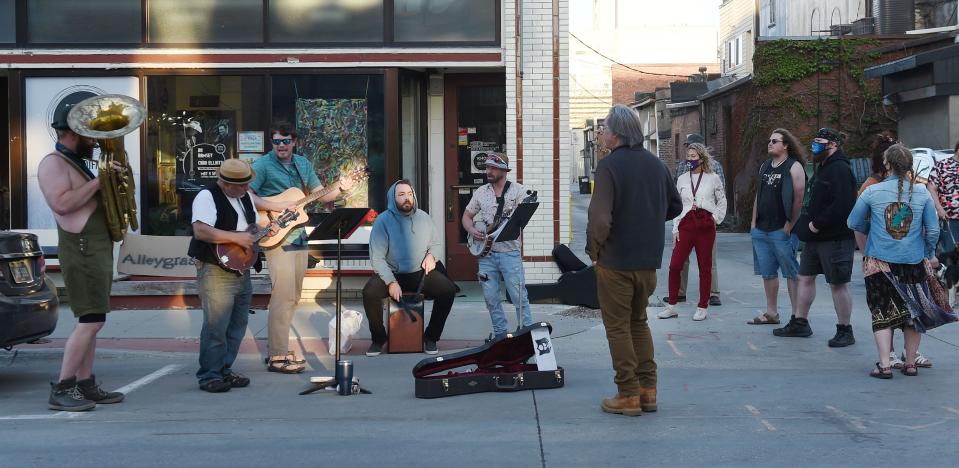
pixel 283 365
pixel 910 370
pixel 764 319
pixel 881 372
pixel 291 357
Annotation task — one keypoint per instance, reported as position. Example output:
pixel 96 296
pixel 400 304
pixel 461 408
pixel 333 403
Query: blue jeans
pixel 226 301
pixel 508 268
pixel 774 251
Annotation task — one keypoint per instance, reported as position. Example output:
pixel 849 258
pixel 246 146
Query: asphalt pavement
pixel 730 394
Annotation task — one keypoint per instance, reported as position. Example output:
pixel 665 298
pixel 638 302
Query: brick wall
pixel 538 168
pixel 685 121
pixel 626 82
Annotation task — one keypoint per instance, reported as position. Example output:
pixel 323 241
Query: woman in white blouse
pixel 704 206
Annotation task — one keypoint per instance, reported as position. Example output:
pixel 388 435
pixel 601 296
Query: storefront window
pixel 444 20
pixel 194 123
pixel 89 21
pixel 326 20
pixel 8 23
pixel 340 128
pixel 205 21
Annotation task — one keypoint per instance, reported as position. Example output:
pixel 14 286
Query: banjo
pixel 482 248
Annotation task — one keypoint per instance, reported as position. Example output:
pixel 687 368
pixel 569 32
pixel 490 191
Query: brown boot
pixel 623 404
pixel 647 399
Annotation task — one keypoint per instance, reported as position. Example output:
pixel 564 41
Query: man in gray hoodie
pixel 401 251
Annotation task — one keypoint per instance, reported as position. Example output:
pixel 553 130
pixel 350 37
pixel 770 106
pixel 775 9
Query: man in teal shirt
pixel 276 172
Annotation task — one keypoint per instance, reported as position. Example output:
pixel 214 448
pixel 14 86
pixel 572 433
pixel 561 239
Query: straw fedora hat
pixel 235 171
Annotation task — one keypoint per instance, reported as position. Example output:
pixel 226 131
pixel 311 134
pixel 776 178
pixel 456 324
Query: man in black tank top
pixel 779 188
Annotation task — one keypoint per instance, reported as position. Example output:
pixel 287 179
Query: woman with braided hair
pixel 896 228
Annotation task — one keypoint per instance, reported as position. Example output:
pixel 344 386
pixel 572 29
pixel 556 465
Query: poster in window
pixel 204 140
pixel 332 134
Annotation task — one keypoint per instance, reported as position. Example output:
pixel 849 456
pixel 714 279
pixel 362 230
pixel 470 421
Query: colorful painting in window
pixel 332 133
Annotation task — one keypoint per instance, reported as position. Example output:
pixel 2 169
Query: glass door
pixel 475 115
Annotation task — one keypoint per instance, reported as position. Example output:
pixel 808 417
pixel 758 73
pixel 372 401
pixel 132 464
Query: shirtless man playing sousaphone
pixel 85 251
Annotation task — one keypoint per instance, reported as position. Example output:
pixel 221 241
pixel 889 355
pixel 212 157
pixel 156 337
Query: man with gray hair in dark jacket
pixel 634 197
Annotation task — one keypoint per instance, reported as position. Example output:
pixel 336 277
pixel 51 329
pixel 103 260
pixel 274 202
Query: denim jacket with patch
pixel 917 237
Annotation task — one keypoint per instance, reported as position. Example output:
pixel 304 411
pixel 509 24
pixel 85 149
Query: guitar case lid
pixel 511 350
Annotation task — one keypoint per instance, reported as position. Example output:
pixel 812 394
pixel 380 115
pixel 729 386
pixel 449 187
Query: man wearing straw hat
pixel 221 214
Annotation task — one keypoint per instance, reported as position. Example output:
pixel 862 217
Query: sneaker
pixel 375 349
pixel 236 380
pixel 681 298
pixel 714 301
pixel 843 337
pixel 65 396
pixel 668 312
pixel 700 314
pixel 215 386
pixel 797 327
pixel 894 360
pixel 91 390
pixel 429 346
pixel 921 361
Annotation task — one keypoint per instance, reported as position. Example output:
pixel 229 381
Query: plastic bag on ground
pixel 351 321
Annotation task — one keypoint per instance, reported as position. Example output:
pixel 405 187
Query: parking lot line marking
pixel 752 346
pixel 669 341
pixel 950 409
pixel 734 298
pixel 165 370
pixel 854 421
pixel 755 412
pixel 57 415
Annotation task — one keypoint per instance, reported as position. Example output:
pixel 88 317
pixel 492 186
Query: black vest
pixel 226 220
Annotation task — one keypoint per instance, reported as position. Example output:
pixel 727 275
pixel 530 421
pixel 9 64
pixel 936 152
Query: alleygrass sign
pixel 155 256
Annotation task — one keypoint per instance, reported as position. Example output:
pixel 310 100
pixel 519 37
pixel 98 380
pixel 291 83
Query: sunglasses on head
pixel 285 141
pixel 496 159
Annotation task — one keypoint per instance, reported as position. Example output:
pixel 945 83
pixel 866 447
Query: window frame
pixel 22 35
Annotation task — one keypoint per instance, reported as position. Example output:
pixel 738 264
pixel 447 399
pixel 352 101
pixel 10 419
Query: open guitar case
pixel 498 366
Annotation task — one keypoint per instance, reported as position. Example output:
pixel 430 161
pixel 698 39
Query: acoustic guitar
pixel 295 195
pixel 482 248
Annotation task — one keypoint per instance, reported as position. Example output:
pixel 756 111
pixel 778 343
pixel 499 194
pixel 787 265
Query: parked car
pixel 28 299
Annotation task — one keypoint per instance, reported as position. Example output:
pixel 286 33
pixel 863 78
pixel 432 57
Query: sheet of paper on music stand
pixel 517 222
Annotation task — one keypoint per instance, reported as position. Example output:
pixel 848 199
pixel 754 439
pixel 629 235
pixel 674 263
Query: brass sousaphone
pixel 107 119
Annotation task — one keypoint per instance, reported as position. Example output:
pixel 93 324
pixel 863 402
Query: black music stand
pixel 517 222
pixel 339 224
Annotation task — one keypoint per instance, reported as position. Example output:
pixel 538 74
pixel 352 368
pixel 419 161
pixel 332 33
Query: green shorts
pixel 86 264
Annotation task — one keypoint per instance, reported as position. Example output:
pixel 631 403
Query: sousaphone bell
pixel 107 119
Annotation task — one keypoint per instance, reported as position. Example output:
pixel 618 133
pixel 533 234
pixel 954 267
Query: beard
pixel 493 178
pixel 84 149
pixel 406 207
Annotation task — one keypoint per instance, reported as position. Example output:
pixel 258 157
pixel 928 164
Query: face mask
pixel 693 164
pixel 818 147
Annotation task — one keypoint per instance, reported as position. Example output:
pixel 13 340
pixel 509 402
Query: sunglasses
pixel 285 141
pixel 773 141
pixel 496 159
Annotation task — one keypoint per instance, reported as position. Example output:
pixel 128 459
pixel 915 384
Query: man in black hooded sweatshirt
pixel 829 243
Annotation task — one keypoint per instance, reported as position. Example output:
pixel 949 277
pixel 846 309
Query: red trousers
pixel 696 230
